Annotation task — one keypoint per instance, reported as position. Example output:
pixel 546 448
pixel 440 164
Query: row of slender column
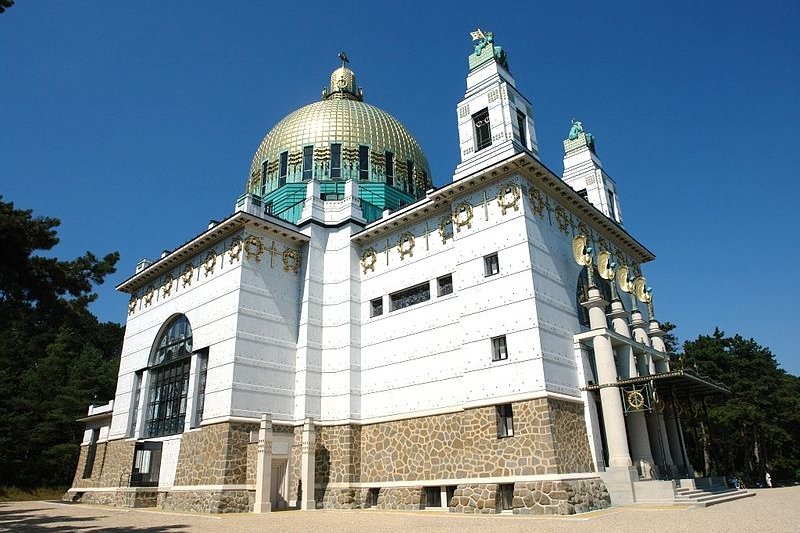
pixel 635 438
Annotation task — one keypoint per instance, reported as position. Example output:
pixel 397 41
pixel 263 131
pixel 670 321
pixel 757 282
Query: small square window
pixel 445 285
pixel 433 497
pixel 451 493
pixel 499 348
pixel 372 496
pixel 491 265
pixel 505 421
pixel 376 307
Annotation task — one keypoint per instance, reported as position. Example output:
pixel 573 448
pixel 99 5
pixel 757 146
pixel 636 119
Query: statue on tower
pixel 576 130
pixel 487 40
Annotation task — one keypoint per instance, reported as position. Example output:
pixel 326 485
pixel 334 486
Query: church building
pixel 353 337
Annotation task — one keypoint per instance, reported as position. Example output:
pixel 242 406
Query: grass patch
pixel 14 494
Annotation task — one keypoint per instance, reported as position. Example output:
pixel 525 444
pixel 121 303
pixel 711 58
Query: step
pixel 726 497
pixel 703 495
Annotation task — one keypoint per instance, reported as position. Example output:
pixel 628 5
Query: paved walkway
pixel 771 510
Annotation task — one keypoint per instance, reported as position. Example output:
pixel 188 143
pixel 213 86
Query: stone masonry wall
pixel 560 497
pixel 205 501
pixel 293 469
pixel 215 455
pixel 458 445
pixel 570 438
pixel 112 465
pixel 475 498
pixel 337 454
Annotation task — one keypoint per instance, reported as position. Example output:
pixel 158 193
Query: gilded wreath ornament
pixel 291 260
pixel 537 202
pixel 210 263
pixel 188 274
pixel 369 258
pixel 148 295
pixel 443 233
pixel 504 202
pixel 405 245
pixel 563 220
pixel 166 288
pixel 253 248
pixel 462 215
pixel 235 249
pixel 132 305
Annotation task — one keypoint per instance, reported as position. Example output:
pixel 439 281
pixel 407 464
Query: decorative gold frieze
pixel 368 259
pixel 291 260
pixel 462 215
pixel 132 305
pixel 148 295
pixel 538 202
pixel 563 220
pixel 446 228
pixel 508 197
pixel 210 263
pixel 405 244
pixel 166 288
pixel 188 275
pixel 253 248
pixel 235 249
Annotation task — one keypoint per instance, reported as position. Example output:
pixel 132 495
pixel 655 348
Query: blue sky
pixel 135 123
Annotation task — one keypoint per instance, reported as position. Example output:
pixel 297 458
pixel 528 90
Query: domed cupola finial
pixel 343 83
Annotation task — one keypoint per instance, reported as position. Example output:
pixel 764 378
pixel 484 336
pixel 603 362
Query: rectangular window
pixel 200 397
pixel 363 162
pixel 283 169
pixel 506 496
pixel 91 453
pixel 483 131
pixel 499 348
pixel 410 174
pixel 523 139
pixel 611 207
pixel 372 497
pixel 505 421
pixel 491 265
pixel 137 394
pixel 451 493
pixel 264 174
pixel 308 162
pixel 433 497
pixel 408 297
pixel 146 464
pixel 376 307
pixel 336 161
pixel 166 404
pixel 445 285
pixel 389 168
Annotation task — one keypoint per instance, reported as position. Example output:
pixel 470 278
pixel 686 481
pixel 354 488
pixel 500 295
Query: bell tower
pixel 494 120
pixel 584 172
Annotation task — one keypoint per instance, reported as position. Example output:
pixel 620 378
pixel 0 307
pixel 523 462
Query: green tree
pixel 55 357
pixel 754 429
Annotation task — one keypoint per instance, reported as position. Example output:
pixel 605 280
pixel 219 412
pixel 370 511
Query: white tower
pixel 494 120
pixel 583 171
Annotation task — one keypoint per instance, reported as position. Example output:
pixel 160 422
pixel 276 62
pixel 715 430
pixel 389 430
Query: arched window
pixel 170 363
pixel 582 294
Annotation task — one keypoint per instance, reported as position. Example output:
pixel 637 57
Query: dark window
pixel 363 162
pixel 414 295
pixel 336 161
pixel 523 139
pixel 506 497
pixel 611 206
pixel 424 176
pixel 372 497
pixel 451 493
pixel 491 265
pixel 584 194
pixel 283 169
pixel 308 162
pixel 146 464
pixel 376 307
pixel 389 168
pixel 202 374
pixel 169 379
pixel 137 394
pixel 483 131
pixel 433 497
pixel 91 453
pixel 445 284
pixel 264 174
pixel 410 174
pixel 505 421
pixel 499 348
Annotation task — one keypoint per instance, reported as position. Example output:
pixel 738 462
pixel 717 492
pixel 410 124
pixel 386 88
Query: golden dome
pixel 304 144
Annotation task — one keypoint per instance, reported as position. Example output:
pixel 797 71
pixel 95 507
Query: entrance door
pixel 277 490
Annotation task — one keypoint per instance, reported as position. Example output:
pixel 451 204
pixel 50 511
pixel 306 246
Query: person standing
pixel 768 479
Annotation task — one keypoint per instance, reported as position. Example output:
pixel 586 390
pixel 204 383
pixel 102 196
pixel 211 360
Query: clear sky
pixel 135 122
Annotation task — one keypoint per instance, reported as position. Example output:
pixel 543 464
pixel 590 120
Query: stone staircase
pixel 700 492
pixel 707 491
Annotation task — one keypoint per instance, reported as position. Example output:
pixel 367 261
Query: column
pixel 309 440
pixel 610 399
pixel 264 466
pixel 638 438
pixel 656 424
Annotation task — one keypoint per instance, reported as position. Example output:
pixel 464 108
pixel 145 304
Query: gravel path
pixel 771 510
